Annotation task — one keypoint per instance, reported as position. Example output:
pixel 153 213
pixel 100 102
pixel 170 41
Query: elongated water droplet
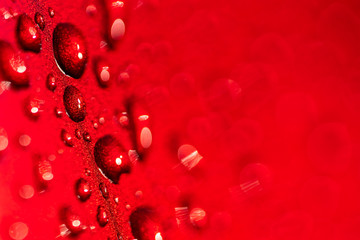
pixel 70 49
pixel 51 12
pixel 67 138
pixel 74 104
pixel 40 21
pixel 12 66
pixel 103 190
pixel 28 34
pixel 83 189
pixel 51 82
pixel 111 158
pixel 102 216
pixel 103 72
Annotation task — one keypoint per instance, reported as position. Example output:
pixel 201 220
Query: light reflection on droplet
pixel 158 236
pixel 145 137
pixel 189 156
pixel 117 29
pixel 198 217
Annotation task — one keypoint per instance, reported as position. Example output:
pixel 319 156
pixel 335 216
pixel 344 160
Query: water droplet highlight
pixel 70 49
pixel 28 34
pixel 74 104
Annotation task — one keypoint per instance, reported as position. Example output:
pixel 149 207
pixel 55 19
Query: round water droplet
pixel 123 119
pixel 51 12
pixel 40 21
pixel 103 190
pixel 102 72
pixel 87 137
pixel 4 141
pixel 70 49
pixel 144 225
pixel 24 140
pixel 51 82
pixel 12 66
pixel 18 231
pixel 102 216
pixel 74 104
pixel 82 189
pixel 58 112
pixel 111 158
pixel 67 138
pixel 26 192
pixel 72 221
pixel 28 34
pixel 33 107
pixel 77 134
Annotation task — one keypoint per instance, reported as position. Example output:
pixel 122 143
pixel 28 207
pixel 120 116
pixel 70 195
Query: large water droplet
pixel 144 225
pixel 28 34
pixel 82 189
pixel 111 158
pixel 74 104
pixel 12 66
pixel 102 216
pixel 70 49
pixel 40 21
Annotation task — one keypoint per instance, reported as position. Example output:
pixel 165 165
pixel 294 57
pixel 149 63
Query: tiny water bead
pixel 83 189
pixel 111 158
pixel 12 66
pixel 102 216
pixel 51 12
pixel 70 49
pixel 67 138
pixel 74 104
pixel 87 136
pixel 103 190
pixel 58 112
pixel 103 73
pixel 39 20
pixel 144 225
pixel 51 82
pixel 33 107
pixel 28 34
pixel 77 133
pixel 18 231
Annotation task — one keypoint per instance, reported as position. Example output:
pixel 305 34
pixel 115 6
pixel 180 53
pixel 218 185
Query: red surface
pixel 244 114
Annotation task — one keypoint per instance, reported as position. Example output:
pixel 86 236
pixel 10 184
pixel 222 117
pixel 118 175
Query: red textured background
pixel 267 85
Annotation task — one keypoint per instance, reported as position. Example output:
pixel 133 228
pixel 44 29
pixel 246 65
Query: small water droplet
pixel 116 200
pixel 83 189
pixel 26 192
pixel 67 138
pixel 74 104
pixel 12 66
pixel 95 125
pixel 124 119
pixel 24 140
pixel 51 82
pixel 18 231
pixel 40 21
pixel 58 112
pixel 87 172
pixel 70 49
pixel 198 217
pixel 51 12
pixel 103 73
pixel 111 158
pixel 103 190
pixel 77 133
pixel 33 107
pixel 4 141
pixel 28 34
pixel 138 194
pixel 102 216
pixel 43 171
pixel 189 156
pixel 91 10
pixel 87 137
pixel 72 221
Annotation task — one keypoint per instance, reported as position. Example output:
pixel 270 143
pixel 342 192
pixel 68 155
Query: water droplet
pixel 111 158
pixel 74 104
pixel 24 140
pixel 83 189
pixel 28 34
pixel 51 12
pixel 91 10
pixel 116 200
pixel 117 29
pixel 141 122
pixel 144 225
pixel 95 125
pixel 198 217
pixel 51 82
pixel 103 190
pixel 102 216
pixel 40 21
pixel 12 66
pixel 4 141
pixel 43 171
pixel 77 134
pixel 189 156
pixel 101 120
pixel 102 72
pixel 87 137
pixel 33 107
pixel 26 192
pixel 70 49
pixel 58 112
pixel 18 231
pixel 138 194
pixel 67 138
pixel 123 119
pixel 87 172
pixel 72 221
